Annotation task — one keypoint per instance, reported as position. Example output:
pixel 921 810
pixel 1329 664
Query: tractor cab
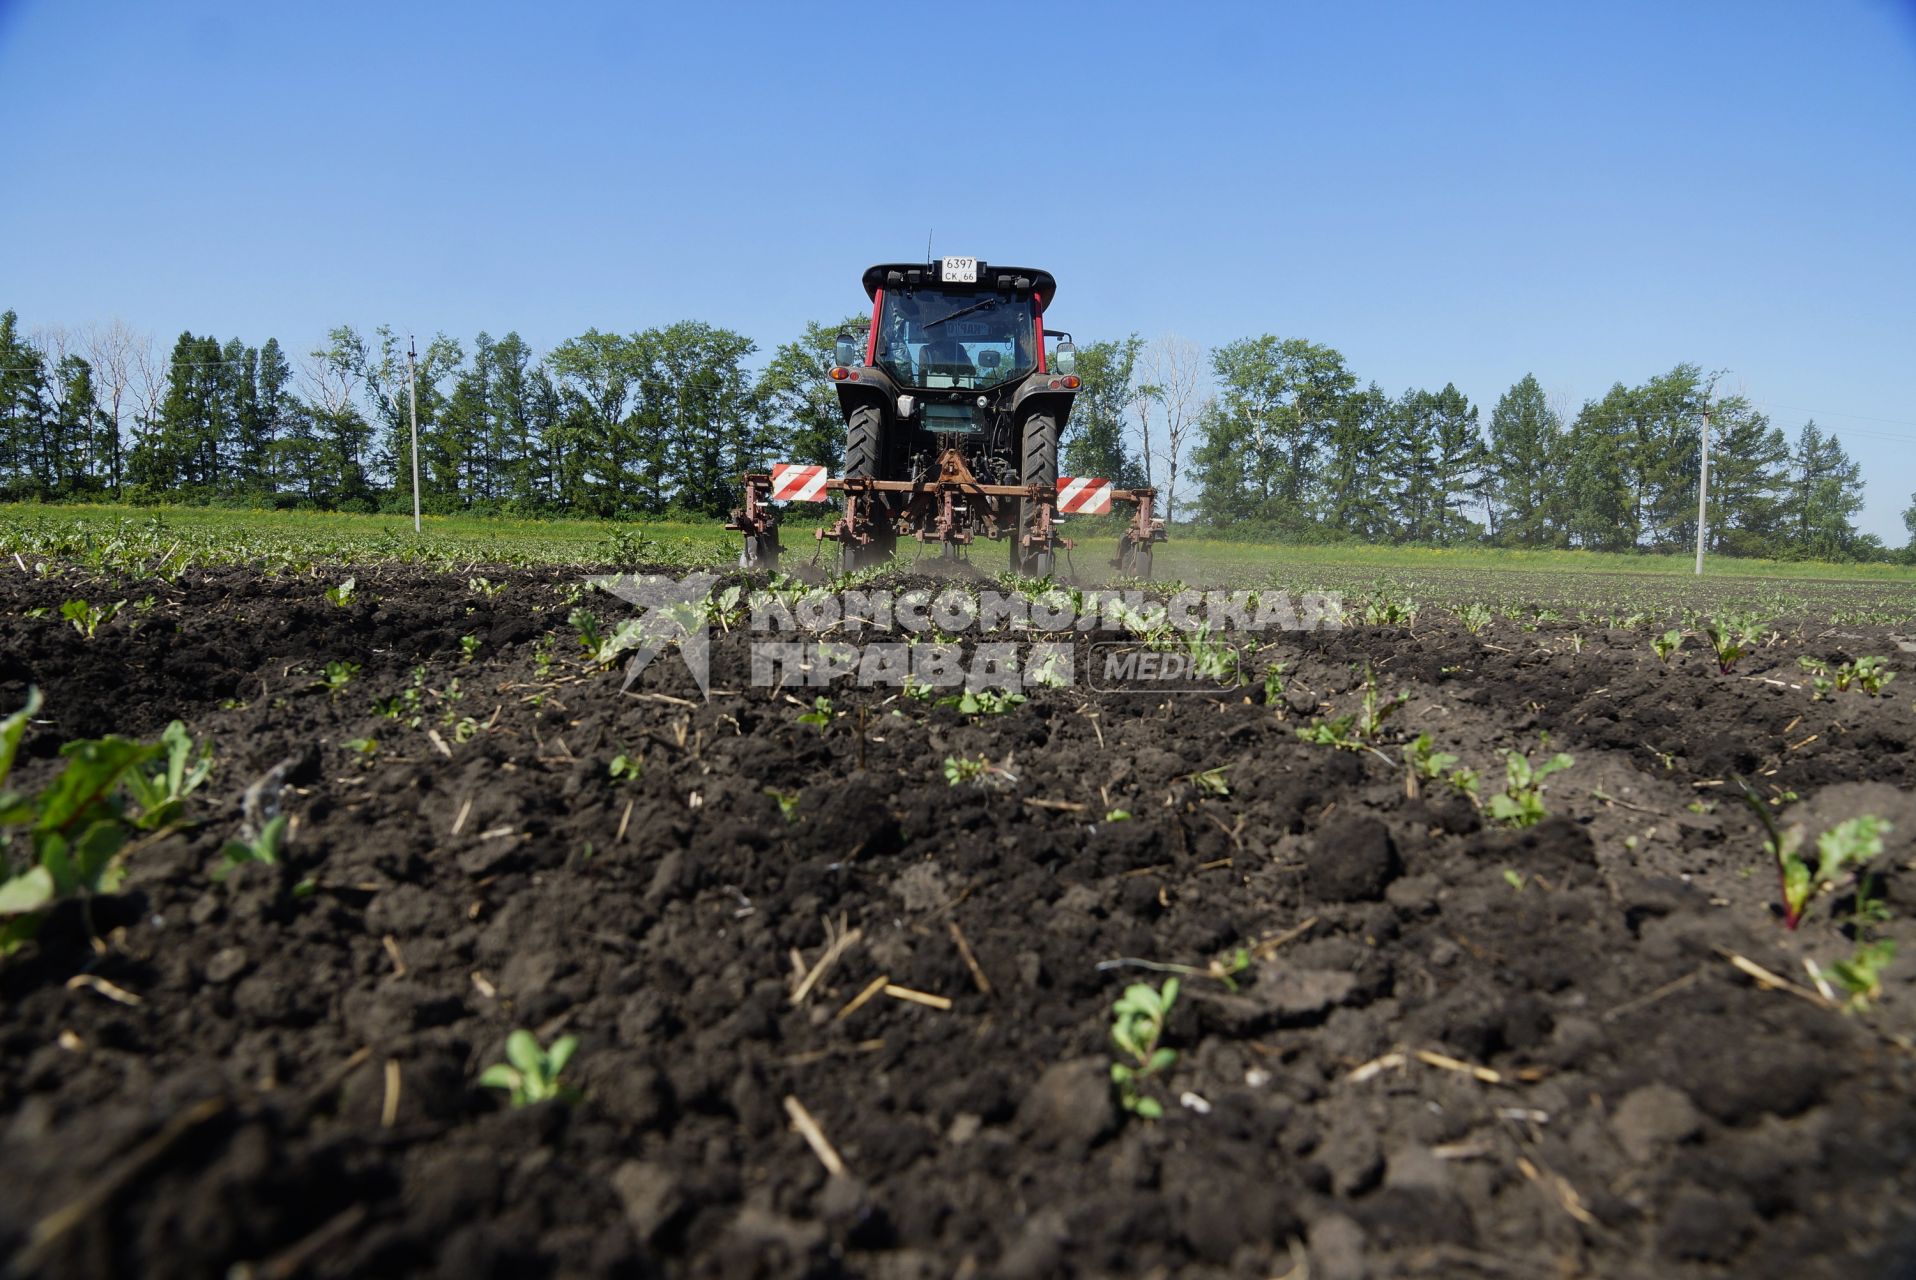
pixel 955 325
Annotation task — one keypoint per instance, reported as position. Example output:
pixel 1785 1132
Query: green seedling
pixel 263 847
pixel 1427 764
pixel 162 795
pixel 1356 730
pixel 1666 645
pixel 1381 611
pixel 72 830
pixel 469 647
pixel 1871 675
pixel 1476 618
pixel 978 769
pixel 484 587
pixel 821 713
pixel 1138 1027
pixel 342 595
pixel 88 618
pixel 625 768
pixel 531 1074
pixel 338 676
pixel 1520 803
pixel 1050 673
pixel 787 803
pixel 586 624
pixel 1117 815
pixel 982 702
pixel 1867 674
pixel 367 749
pixel 1211 782
pixel 1850 844
pixel 1514 878
pixel 1861 976
pixel 542 656
pixel 1731 637
pixel 1273 684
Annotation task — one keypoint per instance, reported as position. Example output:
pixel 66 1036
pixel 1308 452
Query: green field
pixel 1573 583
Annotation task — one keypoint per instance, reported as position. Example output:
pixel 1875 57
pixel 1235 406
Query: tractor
pixel 953 412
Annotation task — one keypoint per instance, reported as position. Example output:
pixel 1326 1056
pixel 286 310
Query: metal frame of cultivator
pixel 951 510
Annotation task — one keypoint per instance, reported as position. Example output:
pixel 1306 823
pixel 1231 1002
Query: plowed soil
pixel 1430 1067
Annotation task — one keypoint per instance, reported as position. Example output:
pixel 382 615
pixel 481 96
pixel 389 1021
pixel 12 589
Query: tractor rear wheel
pixel 1041 469
pixel 864 457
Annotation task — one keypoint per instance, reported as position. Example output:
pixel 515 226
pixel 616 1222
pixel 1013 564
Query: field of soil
pixel 1457 1048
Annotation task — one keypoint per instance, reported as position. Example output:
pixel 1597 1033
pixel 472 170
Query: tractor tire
pixel 865 456
pixel 1040 468
pixel 1134 558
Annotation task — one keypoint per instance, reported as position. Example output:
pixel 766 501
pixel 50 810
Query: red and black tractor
pixel 954 409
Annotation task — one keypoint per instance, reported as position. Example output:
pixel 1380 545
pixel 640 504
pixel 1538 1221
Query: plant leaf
pixel 13 728
pixel 560 1054
pixel 500 1076
pixel 524 1053
pixel 28 891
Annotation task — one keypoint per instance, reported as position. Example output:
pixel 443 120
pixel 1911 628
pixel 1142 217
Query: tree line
pixel 1266 434
pixel 1287 443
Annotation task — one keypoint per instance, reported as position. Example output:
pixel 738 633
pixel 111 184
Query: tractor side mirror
pixel 1066 358
pixel 988 359
pixel 846 351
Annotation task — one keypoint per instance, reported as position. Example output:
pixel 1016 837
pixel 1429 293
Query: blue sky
pixel 1460 192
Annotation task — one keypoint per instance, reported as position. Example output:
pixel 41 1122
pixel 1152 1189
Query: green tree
pixel 1358 492
pixel 1522 463
pixel 698 398
pixel 23 411
pixel 1095 443
pixel 797 399
pixel 1826 492
pixel 1749 474
pixel 1277 399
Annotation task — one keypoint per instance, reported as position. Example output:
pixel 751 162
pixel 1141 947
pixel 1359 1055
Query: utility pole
pixel 412 402
pixel 1702 489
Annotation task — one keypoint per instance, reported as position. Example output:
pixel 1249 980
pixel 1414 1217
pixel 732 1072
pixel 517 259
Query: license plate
pixel 960 271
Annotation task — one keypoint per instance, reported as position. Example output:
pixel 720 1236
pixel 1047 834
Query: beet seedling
pixel 1731 637
pixel 1427 764
pixel 982 702
pixel 1867 674
pixel 1520 803
pixel 263 847
pixel 1139 1026
pixel 1666 645
pixel 978 769
pixel 342 595
pixel 1476 617
pixel 338 676
pixel 162 795
pixel 820 715
pixel 88 618
pixel 1862 974
pixel 1852 843
pixel 531 1074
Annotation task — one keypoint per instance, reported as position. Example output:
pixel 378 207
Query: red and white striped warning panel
pixel 1083 496
pixel 793 482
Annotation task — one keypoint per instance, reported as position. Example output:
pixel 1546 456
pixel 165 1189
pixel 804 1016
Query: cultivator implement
pixel 950 509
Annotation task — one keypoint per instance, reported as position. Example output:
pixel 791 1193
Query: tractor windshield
pixel 946 338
